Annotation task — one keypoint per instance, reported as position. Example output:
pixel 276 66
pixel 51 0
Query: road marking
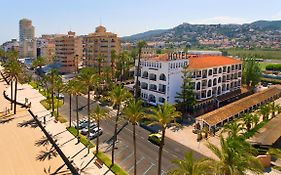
pixel 134 165
pixel 124 160
pixel 152 164
pixel 122 150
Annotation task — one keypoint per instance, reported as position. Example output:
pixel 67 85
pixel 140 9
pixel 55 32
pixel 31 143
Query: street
pixel 147 153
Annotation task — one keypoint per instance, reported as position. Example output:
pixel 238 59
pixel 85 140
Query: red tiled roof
pixel 205 61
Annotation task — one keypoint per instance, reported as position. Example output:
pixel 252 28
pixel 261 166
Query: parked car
pixel 60 96
pixel 84 131
pixel 81 124
pixel 155 138
pixel 95 133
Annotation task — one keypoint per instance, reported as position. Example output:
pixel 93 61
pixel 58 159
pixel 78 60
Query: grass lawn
pixel 47 103
pixel 264 64
pixel 258 53
pixel 83 139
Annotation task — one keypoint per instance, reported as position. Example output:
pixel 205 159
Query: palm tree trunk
pixel 70 110
pixel 77 119
pixel 160 151
pixel 115 135
pixel 137 80
pixel 135 149
pixel 58 100
pixel 97 144
pixel 88 120
pixel 53 101
pixel 11 94
pixel 15 98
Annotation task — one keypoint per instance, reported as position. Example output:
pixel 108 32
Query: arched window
pixel 198 86
pixel 219 90
pixel 210 72
pixel 210 83
pixel 161 100
pixel 145 74
pixel 220 70
pixel 162 77
pixel 215 82
pixel 152 77
pixel 209 93
pixel 219 80
pixel 144 85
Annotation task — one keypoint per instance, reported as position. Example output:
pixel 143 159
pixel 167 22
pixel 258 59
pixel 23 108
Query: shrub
pixel 273 67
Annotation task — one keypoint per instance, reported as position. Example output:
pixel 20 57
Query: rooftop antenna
pixel 100 21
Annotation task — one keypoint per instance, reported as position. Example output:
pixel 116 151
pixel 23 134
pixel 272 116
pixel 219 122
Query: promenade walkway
pixel 77 153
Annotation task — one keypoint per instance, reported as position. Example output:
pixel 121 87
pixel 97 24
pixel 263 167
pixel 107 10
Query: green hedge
pixel 47 103
pixel 83 139
pixel 271 80
pixel 107 161
pixel 273 67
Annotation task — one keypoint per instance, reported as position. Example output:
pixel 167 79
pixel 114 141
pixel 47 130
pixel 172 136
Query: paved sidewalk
pixel 186 137
pixel 77 153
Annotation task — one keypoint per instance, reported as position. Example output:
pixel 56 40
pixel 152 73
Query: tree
pixel 38 62
pixel 185 98
pixel 190 166
pixel 113 62
pixel 234 157
pixel 134 112
pixel 163 115
pixel 250 120
pixel 59 86
pixel 88 78
pixel 98 114
pixel 264 110
pixel 251 72
pixel 100 61
pixel 71 90
pixel 273 108
pixel 13 72
pixel 122 64
pixel 234 129
pixel 51 78
pixel 118 95
pixel 140 46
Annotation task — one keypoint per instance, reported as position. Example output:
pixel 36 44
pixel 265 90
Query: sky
pixel 127 17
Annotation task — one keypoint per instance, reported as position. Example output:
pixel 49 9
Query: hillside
pixel 265 34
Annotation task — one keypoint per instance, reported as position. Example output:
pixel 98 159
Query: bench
pixel 99 163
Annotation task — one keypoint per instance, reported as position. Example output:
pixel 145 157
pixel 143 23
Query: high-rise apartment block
pixel 27 46
pixel 99 45
pixel 68 52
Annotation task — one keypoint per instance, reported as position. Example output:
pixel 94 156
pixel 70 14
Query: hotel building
pixel 68 52
pixel 100 44
pixel 212 76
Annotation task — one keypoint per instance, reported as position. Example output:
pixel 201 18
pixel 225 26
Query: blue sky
pixel 126 17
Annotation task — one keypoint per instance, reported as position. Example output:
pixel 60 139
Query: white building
pixel 161 76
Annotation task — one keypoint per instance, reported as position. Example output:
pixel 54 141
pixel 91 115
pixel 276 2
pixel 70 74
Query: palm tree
pixel 140 44
pixel 38 62
pixel 163 115
pixel 190 166
pixel 123 58
pixel 100 61
pixel 264 110
pixel 275 152
pixel 113 64
pixel 98 114
pixel 118 95
pixel 70 89
pixel 234 129
pixel 134 112
pixel 88 78
pixel 250 120
pixel 51 78
pixel 273 108
pixel 13 71
pixel 59 86
pixel 233 158
pixel 77 89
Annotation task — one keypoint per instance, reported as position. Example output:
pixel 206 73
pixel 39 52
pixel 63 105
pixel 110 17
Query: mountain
pixel 256 34
pixel 144 35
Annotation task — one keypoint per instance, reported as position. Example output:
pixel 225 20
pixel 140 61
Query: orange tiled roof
pixel 157 57
pixel 205 61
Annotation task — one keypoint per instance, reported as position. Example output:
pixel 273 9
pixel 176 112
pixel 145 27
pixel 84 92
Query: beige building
pixel 68 52
pixel 27 42
pixel 48 52
pixel 100 44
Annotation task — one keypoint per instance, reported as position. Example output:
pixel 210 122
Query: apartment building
pixel 100 44
pixel 27 42
pixel 212 76
pixel 68 52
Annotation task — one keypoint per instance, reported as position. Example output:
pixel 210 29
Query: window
pixel 161 100
pixel 220 70
pixel 162 77
pixel 198 86
pixel 219 80
pixel 210 72
pixel 215 82
pixel 152 77
pixel 145 74
pixel 152 98
pixel 210 83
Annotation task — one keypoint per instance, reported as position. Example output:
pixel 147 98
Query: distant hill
pixel 144 35
pixel 254 34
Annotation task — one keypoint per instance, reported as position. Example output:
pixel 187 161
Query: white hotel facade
pixel 161 76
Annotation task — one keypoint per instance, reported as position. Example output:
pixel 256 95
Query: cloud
pixel 221 20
